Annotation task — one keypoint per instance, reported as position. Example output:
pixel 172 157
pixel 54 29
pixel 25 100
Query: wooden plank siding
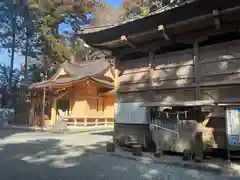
pixel 157 96
pixel 220 62
pixel 87 102
pixel 174 79
pixel 135 75
pixel 170 70
pixel 174 72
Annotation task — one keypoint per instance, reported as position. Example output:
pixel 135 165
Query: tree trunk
pixel 32 118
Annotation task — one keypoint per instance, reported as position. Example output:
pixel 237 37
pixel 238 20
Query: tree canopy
pixel 40 19
pixel 37 25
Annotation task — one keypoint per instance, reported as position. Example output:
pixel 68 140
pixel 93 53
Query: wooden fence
pixel 86 121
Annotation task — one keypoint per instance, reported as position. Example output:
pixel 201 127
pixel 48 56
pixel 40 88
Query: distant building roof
pixel 77 72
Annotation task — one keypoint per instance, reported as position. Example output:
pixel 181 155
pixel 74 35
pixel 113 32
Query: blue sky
pixel 114 3
pixel 4 55
pixel 5 59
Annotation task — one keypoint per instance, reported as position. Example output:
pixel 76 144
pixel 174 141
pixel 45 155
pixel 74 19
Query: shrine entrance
pixel 174 127
pixel 63 106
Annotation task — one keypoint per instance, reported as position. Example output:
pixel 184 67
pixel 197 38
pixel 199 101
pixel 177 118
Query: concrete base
pixel 137 150
pixel 187 155
pixel 110 147
pixel 138 132
pixel 157 154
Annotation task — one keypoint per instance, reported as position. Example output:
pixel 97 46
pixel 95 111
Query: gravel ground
pixel 46 156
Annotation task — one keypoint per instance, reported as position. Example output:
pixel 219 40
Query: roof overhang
pixel 190 21
pixel 111 92
pixel 179 103
pixel 230 102
pixel 54 84
pixel 197 103
pixel 77 73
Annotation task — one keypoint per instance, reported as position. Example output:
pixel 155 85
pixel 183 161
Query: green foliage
pixel 4 76
pixel 49 14
pixel 136 9
pixel 144 11
pixel 37 23
pixel 209 142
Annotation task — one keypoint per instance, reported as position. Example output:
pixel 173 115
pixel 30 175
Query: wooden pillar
pixel 72 100
pixel 116 86
pixel 150 73
pixel 116 79
pixel 32 114
pixel 150 66
pixel 198 147
pixel 197 75
pixel 198 141
pixel 100 108
pixel 53 112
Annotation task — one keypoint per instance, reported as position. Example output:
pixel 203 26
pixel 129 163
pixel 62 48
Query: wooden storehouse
pixel 80 93
pixel 177 73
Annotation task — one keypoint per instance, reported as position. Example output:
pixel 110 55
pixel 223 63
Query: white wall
pixel 130 113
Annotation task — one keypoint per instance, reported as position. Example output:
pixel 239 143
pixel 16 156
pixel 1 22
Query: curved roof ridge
pixel 87 62
pixel 72 63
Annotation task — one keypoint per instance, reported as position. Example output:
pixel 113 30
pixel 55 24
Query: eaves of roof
pixel 68 82
pixel 177 18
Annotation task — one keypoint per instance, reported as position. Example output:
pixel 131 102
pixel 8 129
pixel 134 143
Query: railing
pixel 88 120
pixel 155 127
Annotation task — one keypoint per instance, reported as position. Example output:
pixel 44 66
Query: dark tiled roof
pixel 86 68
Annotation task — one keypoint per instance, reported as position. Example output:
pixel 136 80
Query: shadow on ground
pixel 105 133
pixel 47 159
pixel 50 159
pixel 6 132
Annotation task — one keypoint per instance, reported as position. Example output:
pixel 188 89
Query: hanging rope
pixel 178 113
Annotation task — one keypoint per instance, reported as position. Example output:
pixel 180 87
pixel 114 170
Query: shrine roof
pixel 185 22
pixel 91 70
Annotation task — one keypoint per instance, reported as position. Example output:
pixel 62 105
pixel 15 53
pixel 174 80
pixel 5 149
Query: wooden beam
pixel 150 71
pixel 150 66
pixel 131 44
pixel 197 67
pixel 59 96
pixel 182 24
pixel 103 50
pixel 106 52
pixel 162 30
pixel 154 46
pixel 179 103
pixel 217 21
pixel 128 41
